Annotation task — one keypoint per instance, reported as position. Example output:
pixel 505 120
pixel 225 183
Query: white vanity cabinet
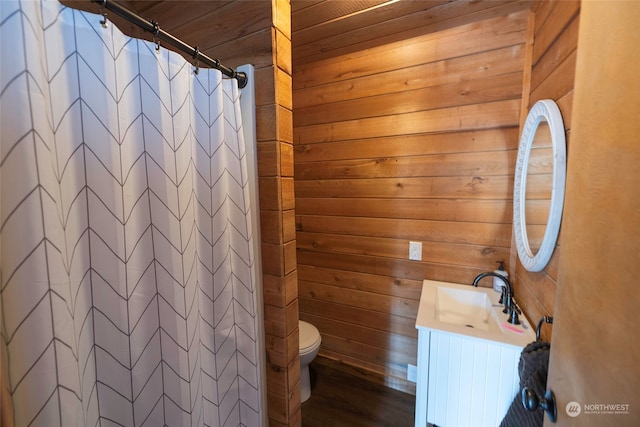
pixel 467 377
pixel 464 381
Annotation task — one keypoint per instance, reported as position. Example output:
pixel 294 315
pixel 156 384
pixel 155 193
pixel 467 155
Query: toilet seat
pixel 309 337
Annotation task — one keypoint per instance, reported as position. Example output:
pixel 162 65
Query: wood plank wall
pixel 552 46
pixel 274 115
pixel 411 140
pixel 225 30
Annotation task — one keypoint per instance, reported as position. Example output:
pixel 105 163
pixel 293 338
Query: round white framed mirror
pixel 540 178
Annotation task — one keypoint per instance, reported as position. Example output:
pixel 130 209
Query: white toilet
pixel 309 345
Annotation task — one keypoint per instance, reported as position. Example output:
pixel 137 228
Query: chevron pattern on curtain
pixel 126 283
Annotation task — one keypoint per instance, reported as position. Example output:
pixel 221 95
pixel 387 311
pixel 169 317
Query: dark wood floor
pixel 339 399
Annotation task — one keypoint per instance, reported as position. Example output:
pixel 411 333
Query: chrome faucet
pixel 506 298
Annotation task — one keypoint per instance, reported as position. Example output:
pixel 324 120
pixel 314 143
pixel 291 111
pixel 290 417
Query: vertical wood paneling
pixel 412 140
pixel 554 28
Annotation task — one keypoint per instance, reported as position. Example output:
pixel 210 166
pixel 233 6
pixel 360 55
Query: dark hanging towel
pixel 532 368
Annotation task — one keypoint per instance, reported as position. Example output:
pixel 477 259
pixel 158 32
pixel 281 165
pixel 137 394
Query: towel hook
pixel 544 319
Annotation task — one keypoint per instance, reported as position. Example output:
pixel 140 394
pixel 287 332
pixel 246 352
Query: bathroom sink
pixel 466 307
pixel 468 356
pixel 469 311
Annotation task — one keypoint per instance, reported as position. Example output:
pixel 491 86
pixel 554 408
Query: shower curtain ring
pixel 196 68
pixel 103 21
pixel 156 30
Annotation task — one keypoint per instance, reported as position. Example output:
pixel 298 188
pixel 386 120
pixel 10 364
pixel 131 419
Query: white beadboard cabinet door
pixel 463 381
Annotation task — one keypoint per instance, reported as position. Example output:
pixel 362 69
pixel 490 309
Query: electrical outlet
pixel 415 251
pixel 412 373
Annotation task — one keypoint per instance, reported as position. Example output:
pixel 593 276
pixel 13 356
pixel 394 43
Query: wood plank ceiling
pixel 326 28
pixel 320 28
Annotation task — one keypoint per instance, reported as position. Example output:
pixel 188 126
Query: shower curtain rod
pixel 154 28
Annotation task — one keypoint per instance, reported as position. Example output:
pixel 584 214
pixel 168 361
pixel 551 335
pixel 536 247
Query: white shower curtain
pixel 126 282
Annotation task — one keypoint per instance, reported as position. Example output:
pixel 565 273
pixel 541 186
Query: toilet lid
pixel 309 335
